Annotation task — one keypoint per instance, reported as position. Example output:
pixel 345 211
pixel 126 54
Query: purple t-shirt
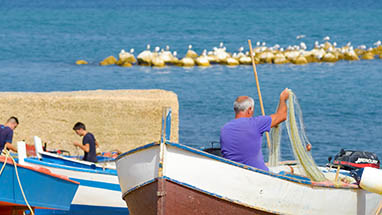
pixel 6 136
pixel 241 140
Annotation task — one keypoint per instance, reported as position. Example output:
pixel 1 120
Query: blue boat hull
pixel 42 189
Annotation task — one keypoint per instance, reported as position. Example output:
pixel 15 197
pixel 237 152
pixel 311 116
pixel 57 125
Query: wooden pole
pixel 258 89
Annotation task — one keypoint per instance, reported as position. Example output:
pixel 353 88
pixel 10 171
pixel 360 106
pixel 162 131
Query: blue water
pixel 40 40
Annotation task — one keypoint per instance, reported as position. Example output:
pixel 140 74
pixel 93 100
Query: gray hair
pixel 243 105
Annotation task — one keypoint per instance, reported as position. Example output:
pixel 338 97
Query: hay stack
pixel 119 119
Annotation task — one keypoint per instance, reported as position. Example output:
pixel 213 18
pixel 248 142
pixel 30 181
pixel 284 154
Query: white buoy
pixel 371 180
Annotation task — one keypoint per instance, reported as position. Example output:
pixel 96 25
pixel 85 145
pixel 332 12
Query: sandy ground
pixel 119 119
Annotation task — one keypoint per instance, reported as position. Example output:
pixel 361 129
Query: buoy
pixel 371 179
pixel 108 61
pixel 81 62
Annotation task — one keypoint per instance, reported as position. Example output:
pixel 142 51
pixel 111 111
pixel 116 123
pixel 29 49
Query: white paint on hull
pixel 247 187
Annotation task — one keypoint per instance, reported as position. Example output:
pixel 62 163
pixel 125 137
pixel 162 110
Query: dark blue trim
pixel 138 186
pixel 36 161
pixel 85 209
pixel 137 149
pixel 98 184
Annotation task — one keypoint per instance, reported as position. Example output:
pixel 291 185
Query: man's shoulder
pixel 89 136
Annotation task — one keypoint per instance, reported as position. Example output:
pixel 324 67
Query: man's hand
pixel 76 144
pixel 284 94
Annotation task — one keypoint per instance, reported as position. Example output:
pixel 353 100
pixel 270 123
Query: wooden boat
pixel 42 188
pixel 99 191
pixel 170 178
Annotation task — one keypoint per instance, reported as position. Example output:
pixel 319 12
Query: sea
pixel 40 41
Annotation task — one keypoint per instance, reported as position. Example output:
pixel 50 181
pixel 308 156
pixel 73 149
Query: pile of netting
pixel 298 140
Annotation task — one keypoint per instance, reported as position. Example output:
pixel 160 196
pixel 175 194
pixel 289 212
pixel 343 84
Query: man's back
pixel 6 135
pixel 241 140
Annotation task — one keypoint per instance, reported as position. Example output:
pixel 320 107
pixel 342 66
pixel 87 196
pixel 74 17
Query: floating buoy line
pixel 326 51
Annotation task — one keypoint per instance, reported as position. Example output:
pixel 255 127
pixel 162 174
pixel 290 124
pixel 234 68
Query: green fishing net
pixel 298 140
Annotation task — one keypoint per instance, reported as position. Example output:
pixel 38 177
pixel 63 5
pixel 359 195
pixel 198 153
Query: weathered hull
pixel 195 182
pixel 163 196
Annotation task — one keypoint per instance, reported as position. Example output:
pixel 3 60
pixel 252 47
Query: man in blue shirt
pixel 241 138
pixel 6 134
pixel 89 142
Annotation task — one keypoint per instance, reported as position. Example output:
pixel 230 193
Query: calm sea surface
pixel 342 103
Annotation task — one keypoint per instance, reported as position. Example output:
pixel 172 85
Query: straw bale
pixel 119 119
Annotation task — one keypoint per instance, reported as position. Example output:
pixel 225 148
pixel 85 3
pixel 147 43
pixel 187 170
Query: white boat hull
pixel 237 183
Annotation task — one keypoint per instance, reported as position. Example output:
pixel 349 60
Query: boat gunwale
pixel 41 170
pixel 35 160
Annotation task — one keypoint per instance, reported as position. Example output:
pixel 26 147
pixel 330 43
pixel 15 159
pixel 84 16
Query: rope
pixel 7 154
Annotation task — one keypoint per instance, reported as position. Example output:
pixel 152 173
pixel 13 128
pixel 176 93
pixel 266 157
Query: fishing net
pixel 298 140
pixel 274 152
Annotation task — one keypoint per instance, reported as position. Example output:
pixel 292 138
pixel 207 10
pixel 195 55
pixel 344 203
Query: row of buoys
pixel 297 54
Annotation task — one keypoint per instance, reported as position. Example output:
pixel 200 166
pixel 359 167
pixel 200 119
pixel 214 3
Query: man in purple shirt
pixel 241 138
pixel 6 134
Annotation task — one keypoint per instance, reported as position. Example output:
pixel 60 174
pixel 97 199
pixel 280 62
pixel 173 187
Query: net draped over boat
pixel 298 140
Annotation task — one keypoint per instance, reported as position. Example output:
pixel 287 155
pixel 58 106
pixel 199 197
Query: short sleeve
pixel 263 123
pixel 86 140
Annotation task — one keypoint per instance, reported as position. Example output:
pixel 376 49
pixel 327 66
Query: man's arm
pixel 281 113
pixel 10 146
pixel 97 144
pixel 83 147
